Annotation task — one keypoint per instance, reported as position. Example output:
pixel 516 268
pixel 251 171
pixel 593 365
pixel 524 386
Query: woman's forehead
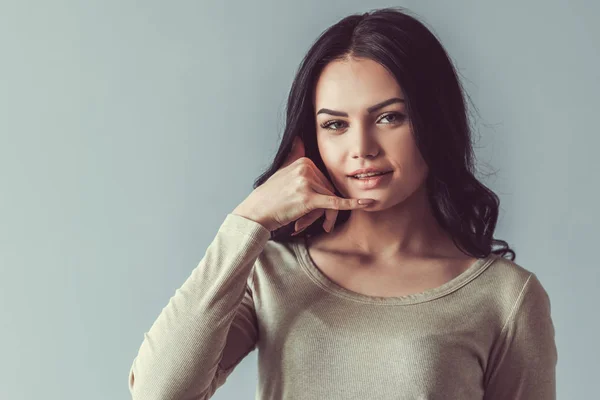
pixel 354 84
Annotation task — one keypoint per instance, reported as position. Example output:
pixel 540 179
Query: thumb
pixel 296 152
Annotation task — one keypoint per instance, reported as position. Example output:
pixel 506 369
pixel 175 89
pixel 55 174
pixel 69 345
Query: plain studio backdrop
pixel 130 129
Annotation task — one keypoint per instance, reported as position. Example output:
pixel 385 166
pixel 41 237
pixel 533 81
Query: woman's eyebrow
pixel 370 109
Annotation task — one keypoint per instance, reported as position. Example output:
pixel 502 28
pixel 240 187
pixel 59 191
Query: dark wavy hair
pixel 435 105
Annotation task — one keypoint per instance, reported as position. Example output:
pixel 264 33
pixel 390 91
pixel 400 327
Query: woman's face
pixel 355 138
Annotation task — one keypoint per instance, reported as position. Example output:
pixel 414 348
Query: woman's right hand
pixel 299 192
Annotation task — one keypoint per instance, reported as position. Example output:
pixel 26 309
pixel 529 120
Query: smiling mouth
pixel 371 177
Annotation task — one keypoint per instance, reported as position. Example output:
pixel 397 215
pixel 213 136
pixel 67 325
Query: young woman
pixel 400 298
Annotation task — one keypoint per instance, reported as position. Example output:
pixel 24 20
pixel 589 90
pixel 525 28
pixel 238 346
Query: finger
pixel 330 215
pixel 296 152
pixel 308 219
pixel 302 224
pixel 325 198
pixel 318 175
pixel 333 202
pixel 330 218
pixel 313 215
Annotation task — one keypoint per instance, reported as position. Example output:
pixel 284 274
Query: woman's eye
pixel 327 125
pixel 395 116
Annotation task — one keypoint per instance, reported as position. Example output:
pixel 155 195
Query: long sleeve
pixel 523 365
pixel 208 326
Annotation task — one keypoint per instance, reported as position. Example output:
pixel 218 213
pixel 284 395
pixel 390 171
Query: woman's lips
pixel 374 176
pixel 371 182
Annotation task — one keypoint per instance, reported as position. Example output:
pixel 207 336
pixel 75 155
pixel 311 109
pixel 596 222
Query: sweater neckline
pixel 300 249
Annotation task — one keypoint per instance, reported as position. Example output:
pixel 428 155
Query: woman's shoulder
pixel 508 272
pixel 510 282
pixel 280 253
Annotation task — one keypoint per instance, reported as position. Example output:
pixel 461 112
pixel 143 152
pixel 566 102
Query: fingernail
pixel 365 201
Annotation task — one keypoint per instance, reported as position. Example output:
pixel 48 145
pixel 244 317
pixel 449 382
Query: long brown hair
pixel 435 104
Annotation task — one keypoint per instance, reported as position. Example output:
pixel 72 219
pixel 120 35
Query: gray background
pixel 129 129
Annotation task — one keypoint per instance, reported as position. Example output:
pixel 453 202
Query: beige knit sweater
pixel 486 334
